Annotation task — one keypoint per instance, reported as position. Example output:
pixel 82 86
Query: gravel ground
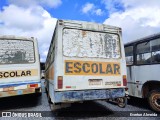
pixel 87 110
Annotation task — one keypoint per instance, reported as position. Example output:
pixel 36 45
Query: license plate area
pixel 95 82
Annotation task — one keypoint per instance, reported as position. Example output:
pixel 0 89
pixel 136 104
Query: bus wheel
pixel 53 107
pixel 39 94
pixel 154 100
pixel 121 102
pixel 49 99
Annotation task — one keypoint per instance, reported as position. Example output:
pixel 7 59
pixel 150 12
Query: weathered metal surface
pixel 81 48
pixel 17 92
pixel 16 51
pixel 14 89
pixel 71 96
pixel 79 43
pixel 21 85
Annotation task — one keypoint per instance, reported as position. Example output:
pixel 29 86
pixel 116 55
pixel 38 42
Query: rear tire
pixel 49 99
pixel 121 102
pixel 154 100
pixel 39 94
pixel 52 106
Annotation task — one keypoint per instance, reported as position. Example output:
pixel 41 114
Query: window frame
pixel 150 41
pixel 132 54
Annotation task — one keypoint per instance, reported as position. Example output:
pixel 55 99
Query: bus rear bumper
pixel 19 92
pixel 73 96
pixel 19 89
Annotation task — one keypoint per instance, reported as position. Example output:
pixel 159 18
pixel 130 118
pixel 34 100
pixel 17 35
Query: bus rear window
pixel 89 44
pixel 16 51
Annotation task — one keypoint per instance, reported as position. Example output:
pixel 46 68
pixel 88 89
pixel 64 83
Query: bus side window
pixel 143 53
pixel 129 55
pixel 155 48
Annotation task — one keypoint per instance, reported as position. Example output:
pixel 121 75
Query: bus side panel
pixel 144 73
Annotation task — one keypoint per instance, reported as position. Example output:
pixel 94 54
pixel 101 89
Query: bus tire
pixel 49 99
pixel 121 102
pixel 46 90
pixel 39 94
pixel 154 100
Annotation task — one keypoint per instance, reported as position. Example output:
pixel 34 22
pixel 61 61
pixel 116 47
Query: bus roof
pixel 88 25
pixel 147 38
pixel 13 37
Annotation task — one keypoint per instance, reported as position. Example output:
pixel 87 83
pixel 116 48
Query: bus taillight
pixel 124 80
pixel 33 85
pixel 60 82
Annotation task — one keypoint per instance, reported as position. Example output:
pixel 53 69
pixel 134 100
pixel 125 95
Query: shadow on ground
pixel 84 110
pixel 139 102
pixel 17 102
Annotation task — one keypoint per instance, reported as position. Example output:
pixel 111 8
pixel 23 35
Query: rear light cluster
pixel 33 85
pixel 124 80
pixel 60 82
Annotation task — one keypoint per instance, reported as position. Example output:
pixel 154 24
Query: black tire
pixel 154 100
pixel 49 99
pixel 46 90
pixel 121 102
pixel 39 94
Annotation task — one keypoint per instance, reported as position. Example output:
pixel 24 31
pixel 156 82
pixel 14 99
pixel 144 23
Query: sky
pixel 37 18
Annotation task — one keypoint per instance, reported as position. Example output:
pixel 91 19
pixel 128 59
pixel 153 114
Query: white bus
pixel 86 61
pixel 143 69
pixel 19 66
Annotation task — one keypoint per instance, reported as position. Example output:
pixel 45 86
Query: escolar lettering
pixel 15 74
pixel 91 68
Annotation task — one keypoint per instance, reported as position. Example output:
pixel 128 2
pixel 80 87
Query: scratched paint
pixel 16 51
pixel 69 96
pixel 79 43
pixel 15 92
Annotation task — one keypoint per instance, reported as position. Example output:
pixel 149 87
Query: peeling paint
pixel 16 92
pixel 70 96
pixel 16 51
pixel 78 43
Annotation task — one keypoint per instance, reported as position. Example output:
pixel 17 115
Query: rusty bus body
pixel 85 62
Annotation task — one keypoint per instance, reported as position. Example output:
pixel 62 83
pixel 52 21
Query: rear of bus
pixel 19 66
pixel 89 62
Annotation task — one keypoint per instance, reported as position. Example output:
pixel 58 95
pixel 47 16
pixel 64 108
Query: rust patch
pixel 5 89
pixel 25 91
pixel 12 92
pixel 11 88
pixel 31 90
pixel 84 33
pixel 52 72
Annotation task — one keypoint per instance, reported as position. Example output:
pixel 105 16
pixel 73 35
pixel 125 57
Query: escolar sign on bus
pixel 18 73
pixel 73 67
